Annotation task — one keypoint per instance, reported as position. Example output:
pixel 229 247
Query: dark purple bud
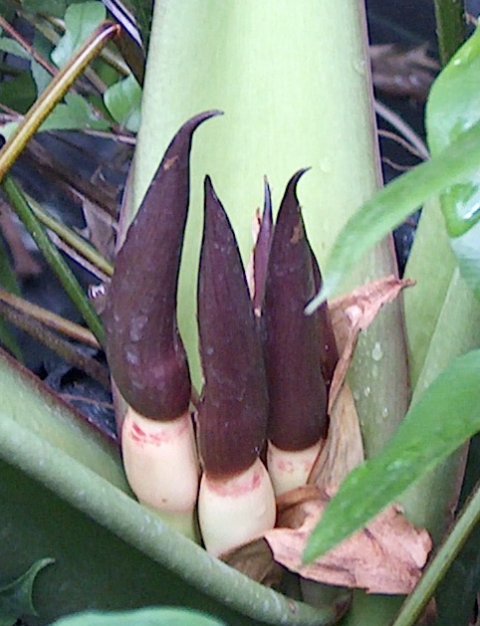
pixel 328 345
pixel 262 250
pixel 298 401
pixel 232 417
pixel 144 349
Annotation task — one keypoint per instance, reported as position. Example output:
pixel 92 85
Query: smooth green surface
pixel 445 417
pixel 16 597
pixel 145 617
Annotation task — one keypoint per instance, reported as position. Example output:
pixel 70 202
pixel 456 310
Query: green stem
pixel 53 257
pixel 451 32
pixel 416 602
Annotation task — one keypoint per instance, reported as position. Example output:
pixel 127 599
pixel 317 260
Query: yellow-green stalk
pixel 236 500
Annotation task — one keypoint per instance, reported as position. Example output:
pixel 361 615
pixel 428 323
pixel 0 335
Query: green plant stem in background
pixel 53 94
pixel 451 27
pixel 54 258
pixel 417 601
pixel 67 235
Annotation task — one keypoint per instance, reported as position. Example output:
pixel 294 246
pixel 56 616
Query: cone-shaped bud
pixel 232 416
pixel 262 250
pixel 236 502
pixel 144 349
pixel 298 403
pixel 328 346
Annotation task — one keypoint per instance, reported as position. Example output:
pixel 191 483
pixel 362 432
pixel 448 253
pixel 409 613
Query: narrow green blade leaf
pixel 453 107
pixel 447 415
pixel 144 617
pixel 16 597
pixel 394 203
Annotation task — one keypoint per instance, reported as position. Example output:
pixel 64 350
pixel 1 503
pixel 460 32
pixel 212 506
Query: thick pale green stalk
pixel 294 85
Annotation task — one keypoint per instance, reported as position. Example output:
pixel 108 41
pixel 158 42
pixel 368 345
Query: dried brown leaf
pixel 386 557
pixel 354 313
pixel 343 449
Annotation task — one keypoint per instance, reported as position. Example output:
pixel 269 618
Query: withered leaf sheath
pixel 328 346
pixel 297 416
pixel 232 417
pixel 262 249
pixel 144 349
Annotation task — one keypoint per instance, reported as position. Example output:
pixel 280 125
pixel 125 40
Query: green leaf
pixel 75 113
pixel 16 597
pixel 20 93
pixel 394 203
pixel 10 46
pixel 145 617
pixel 80 22
pixel 454 107
pixel 445 417
pixel 123 101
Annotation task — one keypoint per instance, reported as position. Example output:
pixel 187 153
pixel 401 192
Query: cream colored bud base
pixel 162 468
pixel 235 510
pixel 288 469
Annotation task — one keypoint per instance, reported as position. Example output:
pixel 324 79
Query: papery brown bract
pixel 297 393
pixel 232 417
pixel 144 349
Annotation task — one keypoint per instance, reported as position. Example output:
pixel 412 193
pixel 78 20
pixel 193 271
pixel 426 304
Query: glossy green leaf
pixel 80 22
pixel 395 202
pixel 446 416
pixel 453 107
pixel 145 617
pixel 123 101
pixel 16 598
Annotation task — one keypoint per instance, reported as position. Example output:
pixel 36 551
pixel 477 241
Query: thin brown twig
pixel 49 319
pixel 396 166
pixel 14 34
pixel 398 139
pixel 58 345
pixel 403 128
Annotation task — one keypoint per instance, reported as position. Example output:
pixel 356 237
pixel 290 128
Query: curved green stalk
pixel 417 601
pixel 53 94
pixel 54 258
